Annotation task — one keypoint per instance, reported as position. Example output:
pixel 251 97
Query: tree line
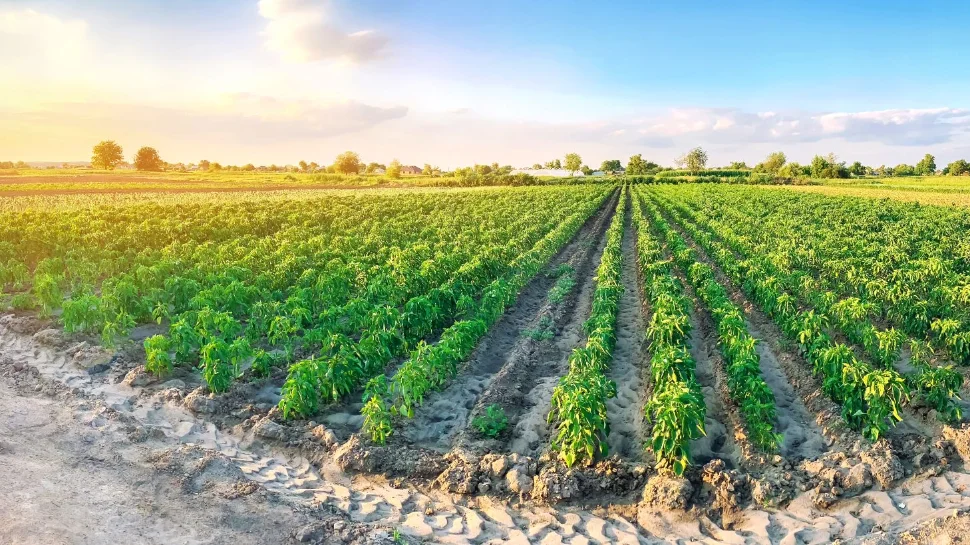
pixel 775 164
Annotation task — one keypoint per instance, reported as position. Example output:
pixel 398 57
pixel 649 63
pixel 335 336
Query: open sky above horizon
pixel 454 83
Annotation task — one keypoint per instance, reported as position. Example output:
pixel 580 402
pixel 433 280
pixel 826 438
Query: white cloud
pixel 901 127
pixel 41 43
pixel 301 31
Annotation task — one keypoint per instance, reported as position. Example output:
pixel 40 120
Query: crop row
pixel 579 399
pixel 937 386
pixel 429 366
pixel 345 281
pixel 906 262
pixel 871 398
pixel 746 386
pixel 676 409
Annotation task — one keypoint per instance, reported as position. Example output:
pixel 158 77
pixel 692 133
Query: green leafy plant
pixel 492 423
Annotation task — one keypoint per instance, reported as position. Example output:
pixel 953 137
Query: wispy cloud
pixel 301 30
pixel 899 127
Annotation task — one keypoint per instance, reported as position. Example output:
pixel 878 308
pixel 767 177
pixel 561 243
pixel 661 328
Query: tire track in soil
pixel 625 411
pixel 501 356
pixel 809 421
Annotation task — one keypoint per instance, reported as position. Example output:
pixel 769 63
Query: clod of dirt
pixel 200 402
pixel 518 482
pixel 23 325
pixel 729 487
pixel 553 486
pixel 92 358
pixel 665 492
pixel 267 429
pixel 960 439
pixel 773 488
pixel 461 477
pixel 53 338
pixel 885 466
pixel 858 480
pixel 139 377
pixel 325 436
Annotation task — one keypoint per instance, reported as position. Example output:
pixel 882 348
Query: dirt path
pixel 625 411
pixel 70 480
pixel 494 373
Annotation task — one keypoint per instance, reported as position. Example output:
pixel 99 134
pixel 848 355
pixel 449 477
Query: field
pixel 607 363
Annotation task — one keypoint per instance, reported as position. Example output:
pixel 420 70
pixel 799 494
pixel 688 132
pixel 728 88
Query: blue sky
pixel 457 82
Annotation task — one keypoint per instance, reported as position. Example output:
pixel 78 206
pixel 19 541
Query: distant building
pixel 411 170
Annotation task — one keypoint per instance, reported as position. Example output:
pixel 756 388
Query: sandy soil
pixel 625 411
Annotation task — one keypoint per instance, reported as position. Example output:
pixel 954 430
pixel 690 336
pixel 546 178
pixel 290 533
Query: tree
pixel 107 155
pixel 204 165
pixel 303 166
pixel 148 159
pixel 856 169
pixel 554 165
pixel 537 166
pixel 248 167
pixel 394 169
pixel 611 165
pixel 694 160
pixel 926 166
pixel 427 170
pixel 793 170
pixel 347 162
pixel 636 166
pixel 772 163
pixel 313 166
pixel 904 170
pixel 586 170
pixel 735 165
pixel 960 167
pixel 573 162
pixel 820 167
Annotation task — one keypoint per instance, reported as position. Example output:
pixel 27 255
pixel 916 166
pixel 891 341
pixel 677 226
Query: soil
pixel 625 411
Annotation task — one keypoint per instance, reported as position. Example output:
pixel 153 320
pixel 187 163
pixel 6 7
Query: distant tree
pixel 347 162
pixel 107 155
pixel 312 167
pixel 248 167
pixel 537 166
pixel 926 166
pixel 394 169
pixel 856 169
pixel 573 162
pixel 904 170
pixel 427 170
pixel 735 165
pixel 554 165
pixel 204 165
pixel 148 159
pixel 793 170
pixel 611 165
pixel 960 167
pixel 819 166
pixel 586 170
pixel 636 166
pixel 694 160
pixel 772 163
pixel 215 167
pixel 303 166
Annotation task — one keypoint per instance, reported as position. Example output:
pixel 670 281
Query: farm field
pixel 612 362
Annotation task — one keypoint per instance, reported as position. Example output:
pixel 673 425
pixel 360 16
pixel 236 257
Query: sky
pixel 457 82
